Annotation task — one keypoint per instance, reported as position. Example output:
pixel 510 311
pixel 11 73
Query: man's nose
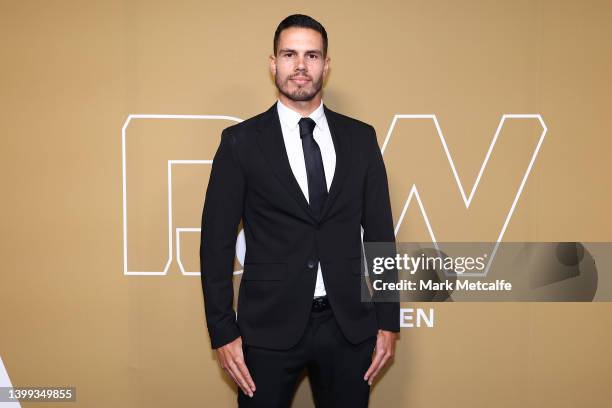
pixel 301 63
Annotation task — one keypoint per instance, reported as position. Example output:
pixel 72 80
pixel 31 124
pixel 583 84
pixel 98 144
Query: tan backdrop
pixel 78 310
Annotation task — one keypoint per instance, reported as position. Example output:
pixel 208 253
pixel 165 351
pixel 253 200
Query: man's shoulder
pixel 350 121
pixel 246 126
pixel 362 133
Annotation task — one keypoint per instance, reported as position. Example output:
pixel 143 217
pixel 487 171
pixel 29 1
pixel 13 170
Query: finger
pixel 227 370
pixel 380 366
pixel 377 359
pixel 240 379
pixel 369 371
pixel 232 375
pixel 245 373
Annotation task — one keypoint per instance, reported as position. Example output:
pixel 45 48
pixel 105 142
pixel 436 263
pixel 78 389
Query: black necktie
pixel 317 186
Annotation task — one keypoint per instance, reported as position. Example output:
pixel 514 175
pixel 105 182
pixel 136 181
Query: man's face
pixel 299 67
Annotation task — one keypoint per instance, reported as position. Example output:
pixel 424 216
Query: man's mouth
pixel 300 80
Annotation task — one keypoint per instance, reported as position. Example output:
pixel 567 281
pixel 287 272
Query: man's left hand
pixel 384 350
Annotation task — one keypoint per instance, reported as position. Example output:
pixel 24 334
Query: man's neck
pixel 304 108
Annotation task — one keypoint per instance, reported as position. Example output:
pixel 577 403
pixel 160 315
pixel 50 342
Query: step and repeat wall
pixel 493 119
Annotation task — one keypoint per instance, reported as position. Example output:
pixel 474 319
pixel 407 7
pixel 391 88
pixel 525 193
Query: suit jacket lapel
pixel 272 144
pixel 342 146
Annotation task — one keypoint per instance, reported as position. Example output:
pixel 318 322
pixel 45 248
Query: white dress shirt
pixel 293 143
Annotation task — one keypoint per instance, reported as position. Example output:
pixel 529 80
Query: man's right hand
pixel 231 359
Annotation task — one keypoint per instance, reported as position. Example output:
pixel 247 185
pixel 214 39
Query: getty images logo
pixel 133 192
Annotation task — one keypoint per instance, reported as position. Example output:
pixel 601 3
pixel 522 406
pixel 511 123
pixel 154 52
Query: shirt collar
pixel 291 118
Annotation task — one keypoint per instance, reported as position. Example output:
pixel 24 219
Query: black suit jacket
pixel 251 179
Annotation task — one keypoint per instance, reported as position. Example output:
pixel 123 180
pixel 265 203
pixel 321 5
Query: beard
pixel 300 93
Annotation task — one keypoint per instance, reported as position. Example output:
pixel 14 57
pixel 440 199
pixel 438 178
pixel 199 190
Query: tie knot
pixel 307 125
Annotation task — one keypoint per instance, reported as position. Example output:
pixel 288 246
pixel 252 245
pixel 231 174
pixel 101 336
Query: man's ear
pixel 272 62
pixel 327 65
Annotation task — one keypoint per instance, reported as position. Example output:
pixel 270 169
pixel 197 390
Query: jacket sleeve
pixel 222 212
pixel 377 222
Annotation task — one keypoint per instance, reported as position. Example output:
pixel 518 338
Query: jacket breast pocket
pixel 265 271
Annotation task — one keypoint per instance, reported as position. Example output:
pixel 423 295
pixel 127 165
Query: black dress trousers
pixel 335 368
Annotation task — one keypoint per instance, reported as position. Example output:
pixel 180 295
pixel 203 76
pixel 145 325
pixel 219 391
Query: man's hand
pixel 384 350
pixel 231 360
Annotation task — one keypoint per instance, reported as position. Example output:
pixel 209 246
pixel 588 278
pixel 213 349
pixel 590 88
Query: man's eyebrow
pixel 307 52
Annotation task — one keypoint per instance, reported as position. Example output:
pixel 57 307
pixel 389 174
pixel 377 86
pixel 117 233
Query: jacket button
pixel 311 264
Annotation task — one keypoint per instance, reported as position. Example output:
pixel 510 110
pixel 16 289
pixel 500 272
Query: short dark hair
pixel 304 21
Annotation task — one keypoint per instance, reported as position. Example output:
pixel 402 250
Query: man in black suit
pixel 304 180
